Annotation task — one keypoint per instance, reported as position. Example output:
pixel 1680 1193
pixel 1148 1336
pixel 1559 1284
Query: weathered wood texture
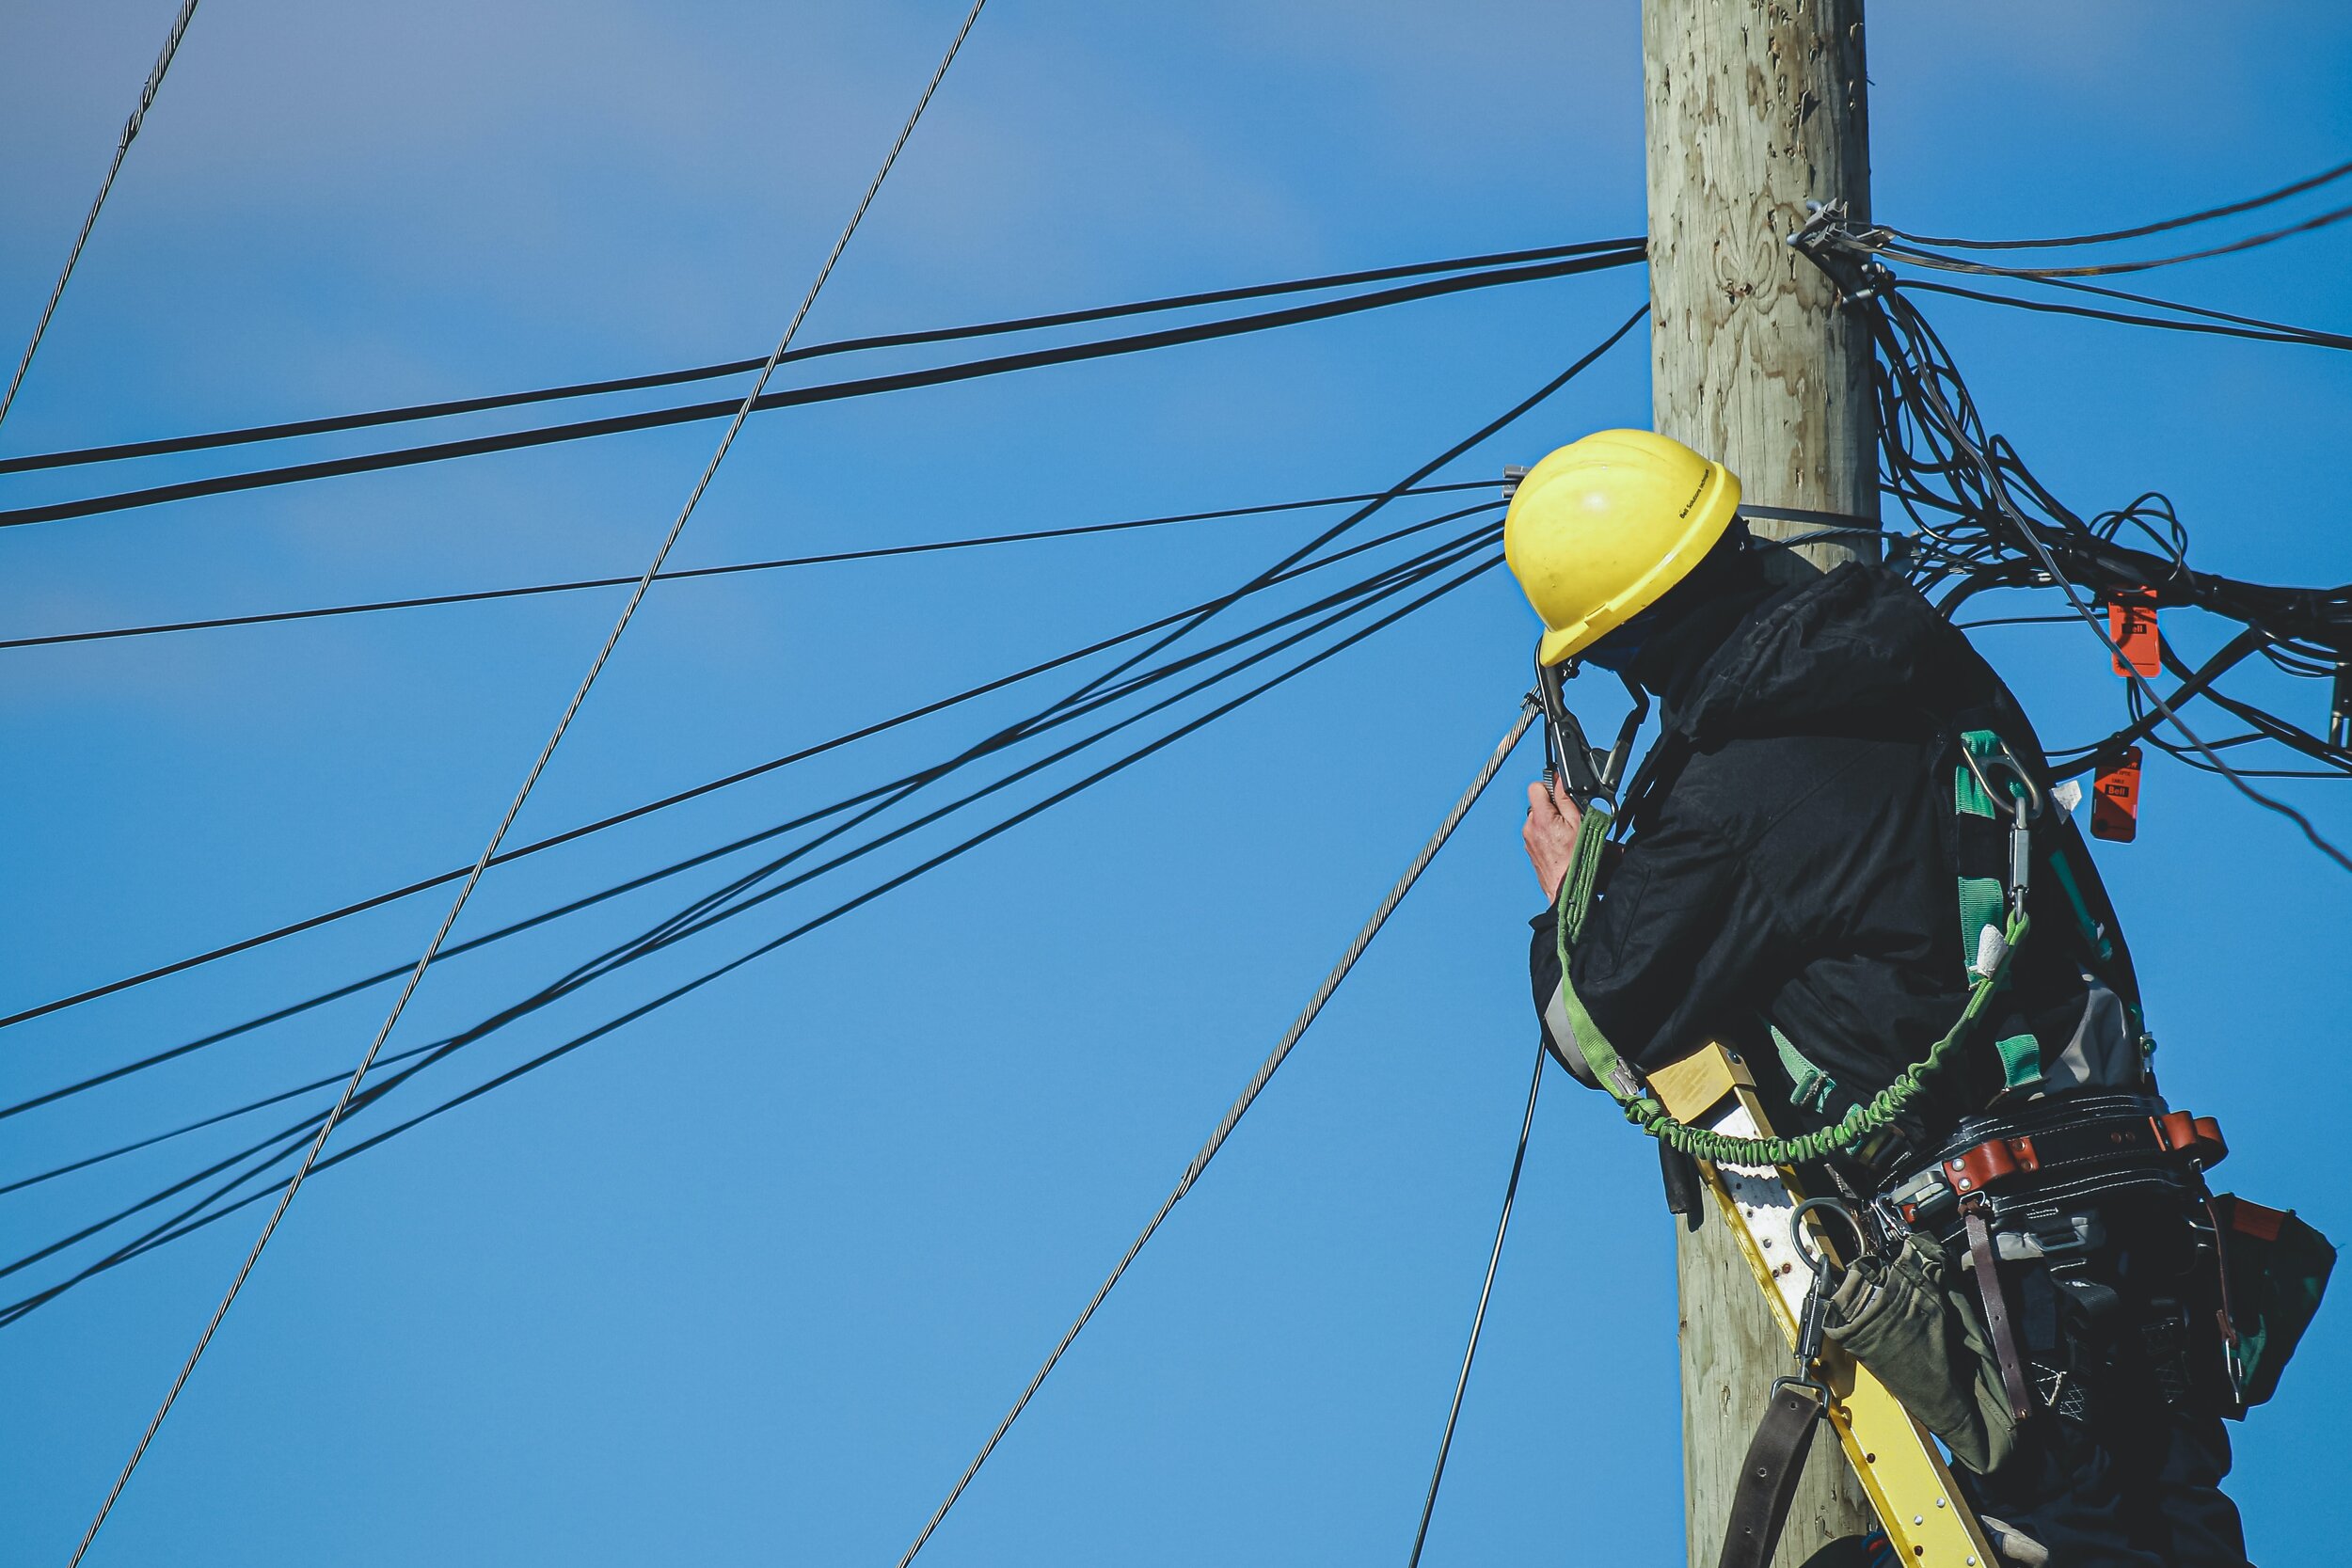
pixel 1753 108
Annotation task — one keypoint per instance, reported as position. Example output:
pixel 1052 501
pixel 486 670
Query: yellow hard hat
pixel 1598 530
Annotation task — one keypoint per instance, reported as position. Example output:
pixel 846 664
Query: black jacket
pixel 1794 857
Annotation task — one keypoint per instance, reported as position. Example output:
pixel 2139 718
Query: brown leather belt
pixel 2073 1149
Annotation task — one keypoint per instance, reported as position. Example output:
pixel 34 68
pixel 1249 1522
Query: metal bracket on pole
pixel 1843 256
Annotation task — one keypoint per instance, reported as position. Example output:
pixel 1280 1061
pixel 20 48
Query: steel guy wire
pixel 1457 450
pixel 1184 620
pixel 522 794
pixel 122 149
pixel 190 1220
pixel 1240 1108
pixel 670 929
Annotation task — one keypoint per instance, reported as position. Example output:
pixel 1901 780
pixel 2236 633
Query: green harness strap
pixel 1642 1109
pixel 2062 865
pixel 1575 903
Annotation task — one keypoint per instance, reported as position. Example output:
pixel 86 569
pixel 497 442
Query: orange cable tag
pixel 2115 800
pixel 2132 623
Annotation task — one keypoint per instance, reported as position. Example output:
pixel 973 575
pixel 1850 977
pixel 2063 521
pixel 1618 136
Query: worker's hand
pixel 1552 819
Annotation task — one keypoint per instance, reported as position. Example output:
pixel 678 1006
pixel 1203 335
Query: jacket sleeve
pixel 1671 954
pixel 1551 1007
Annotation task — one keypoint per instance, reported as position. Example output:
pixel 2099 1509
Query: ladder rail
pixel 1909 1485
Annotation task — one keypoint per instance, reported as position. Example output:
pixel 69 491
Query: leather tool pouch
pixel 2276 1268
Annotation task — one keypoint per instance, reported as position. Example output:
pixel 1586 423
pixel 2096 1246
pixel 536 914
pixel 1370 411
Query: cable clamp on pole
pixel 1843 255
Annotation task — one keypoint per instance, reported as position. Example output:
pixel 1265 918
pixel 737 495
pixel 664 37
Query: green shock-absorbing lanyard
pixel 1642 1109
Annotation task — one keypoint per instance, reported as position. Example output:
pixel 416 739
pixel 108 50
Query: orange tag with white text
pixel 2132 622
pixel 2115 800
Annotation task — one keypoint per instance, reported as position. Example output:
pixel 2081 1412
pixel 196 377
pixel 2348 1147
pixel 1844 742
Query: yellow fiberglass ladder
pixel 1898 1463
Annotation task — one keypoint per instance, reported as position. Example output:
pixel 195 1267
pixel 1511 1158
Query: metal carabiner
pixel 2035 800
pixel 1821 1263
pixel 1571 755
pixel 1813 1322
pixel 2025 809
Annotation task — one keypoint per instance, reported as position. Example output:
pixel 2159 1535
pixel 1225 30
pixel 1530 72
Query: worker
pixel 1785 883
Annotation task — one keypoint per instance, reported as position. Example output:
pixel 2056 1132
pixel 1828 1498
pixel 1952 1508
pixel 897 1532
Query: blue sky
pixel 749 1280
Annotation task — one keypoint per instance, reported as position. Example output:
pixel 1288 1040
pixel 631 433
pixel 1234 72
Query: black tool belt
pixel 2066 1153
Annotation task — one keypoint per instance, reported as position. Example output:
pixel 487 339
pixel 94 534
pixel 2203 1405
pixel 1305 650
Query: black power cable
pixel 887 793
pixel 2259 333
pixel 413 412
pixel 666 932
pixel 794 397
pixel 629 815
pixel 674 928
pixel 2104 752
pixel 286 1142
pixel 670 929
pixel 1478 1320
pixel 686 574
pixel 683 575
pixel 2207 215
pixel 1172 627
pixel 313 1086
pixel 1937 455
pixel 2286 329
pixel 2106 269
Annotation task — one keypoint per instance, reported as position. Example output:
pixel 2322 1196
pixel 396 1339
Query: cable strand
pixel 481 864
pixel 2207 215
pixel 122 149
pixel 1233 1116
pixel 294 429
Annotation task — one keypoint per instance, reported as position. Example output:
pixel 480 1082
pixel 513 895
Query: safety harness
pixel 2011 1184
pixel 1994 923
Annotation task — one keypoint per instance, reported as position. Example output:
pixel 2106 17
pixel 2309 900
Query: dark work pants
pixel 2122 1467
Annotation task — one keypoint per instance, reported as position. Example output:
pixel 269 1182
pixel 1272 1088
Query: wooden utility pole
pixel 1753 108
